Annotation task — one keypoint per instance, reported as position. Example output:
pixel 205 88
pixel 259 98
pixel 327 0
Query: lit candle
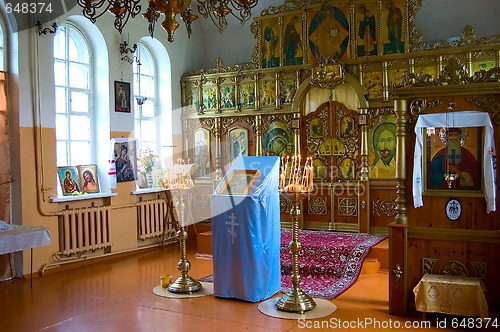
pixel 290 179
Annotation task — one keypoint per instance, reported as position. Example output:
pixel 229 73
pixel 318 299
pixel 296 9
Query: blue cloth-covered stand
pixel 246 234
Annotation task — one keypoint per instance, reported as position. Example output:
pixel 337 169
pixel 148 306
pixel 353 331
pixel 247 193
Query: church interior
pixel 307 164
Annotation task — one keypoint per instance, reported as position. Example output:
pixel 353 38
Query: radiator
pixel 150 214
pixel 84 229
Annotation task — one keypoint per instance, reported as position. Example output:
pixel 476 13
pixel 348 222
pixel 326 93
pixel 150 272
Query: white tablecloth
pixel 19 237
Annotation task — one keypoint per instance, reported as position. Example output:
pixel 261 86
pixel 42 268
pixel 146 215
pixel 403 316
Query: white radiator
pixel 150 216
pixel 84 229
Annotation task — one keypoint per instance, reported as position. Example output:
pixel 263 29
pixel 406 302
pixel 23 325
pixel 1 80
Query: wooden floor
pixel 116 295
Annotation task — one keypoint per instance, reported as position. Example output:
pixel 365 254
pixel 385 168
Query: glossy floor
pixel 117 295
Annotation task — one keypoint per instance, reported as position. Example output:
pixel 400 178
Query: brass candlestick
pixel 184 283
pixel 295 300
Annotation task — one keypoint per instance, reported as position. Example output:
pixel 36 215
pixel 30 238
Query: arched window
pixel 145 105
pixel 73 96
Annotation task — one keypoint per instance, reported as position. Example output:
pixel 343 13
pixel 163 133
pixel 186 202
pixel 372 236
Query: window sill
pixel 59 199
pixel 141 191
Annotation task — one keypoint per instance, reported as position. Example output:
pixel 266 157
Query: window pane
pixel 59 73
pixel 62 159
pixel 136 84
pixel 147 86
pixel 79 102
pixel 80 153
pixel 79 128
pixel 60 43
pixel 148 130
pixel 78 76
pixel 147 65
pixel 61 100
pixel 148 109
pixel 61 127
pixel 78 49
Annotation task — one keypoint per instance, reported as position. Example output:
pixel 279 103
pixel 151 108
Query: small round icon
pixel 453 209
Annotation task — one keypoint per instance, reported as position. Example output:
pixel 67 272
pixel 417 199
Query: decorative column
pixel 363 118
pixel 202 81
pixel 277 77
pixel 258 135
pixel 218 164
pixel 398 230
pixel 401 110
pixel 218 96
pixel 256 88
pixel 385 78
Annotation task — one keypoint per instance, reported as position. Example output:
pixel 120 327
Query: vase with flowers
pixel 147 159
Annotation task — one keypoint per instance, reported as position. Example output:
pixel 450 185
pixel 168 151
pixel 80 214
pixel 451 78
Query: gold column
pixel 440 64
pixel 411 62
pixel 277 77
pixel 469 63
pixel 364 147
pixel 256 88
pixel 200 95
pixel 385 78
pixel 218 96
pixel 218 163
pixel 258 135
pixel 401 107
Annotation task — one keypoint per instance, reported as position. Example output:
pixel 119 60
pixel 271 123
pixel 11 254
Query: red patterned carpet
pixel 330 262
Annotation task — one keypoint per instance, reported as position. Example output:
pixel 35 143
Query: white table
pixel 21 237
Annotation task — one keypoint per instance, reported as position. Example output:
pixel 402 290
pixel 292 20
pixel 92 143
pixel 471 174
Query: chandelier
pixel 217 10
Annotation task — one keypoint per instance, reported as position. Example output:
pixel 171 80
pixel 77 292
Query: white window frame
pixel 149 98
pixel 68 141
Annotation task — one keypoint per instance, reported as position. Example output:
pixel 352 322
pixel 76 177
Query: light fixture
pixel 140 100
pixel 125 50
pixel 43 31
pixel 217 10
pixel 122 9
pixel 450 177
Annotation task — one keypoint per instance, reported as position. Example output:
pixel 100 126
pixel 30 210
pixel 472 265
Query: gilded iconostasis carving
pixel 320 84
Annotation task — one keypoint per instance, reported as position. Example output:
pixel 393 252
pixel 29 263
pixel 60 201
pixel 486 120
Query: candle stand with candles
pixel 295 185
pixel 180 186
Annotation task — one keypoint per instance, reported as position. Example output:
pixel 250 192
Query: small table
pixel 20 237
pixel 453 295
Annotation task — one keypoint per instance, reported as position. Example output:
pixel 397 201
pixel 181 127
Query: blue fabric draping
pixel 246 234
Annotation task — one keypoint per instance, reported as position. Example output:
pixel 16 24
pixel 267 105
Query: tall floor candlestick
pixel 184 283
pixel 295 300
